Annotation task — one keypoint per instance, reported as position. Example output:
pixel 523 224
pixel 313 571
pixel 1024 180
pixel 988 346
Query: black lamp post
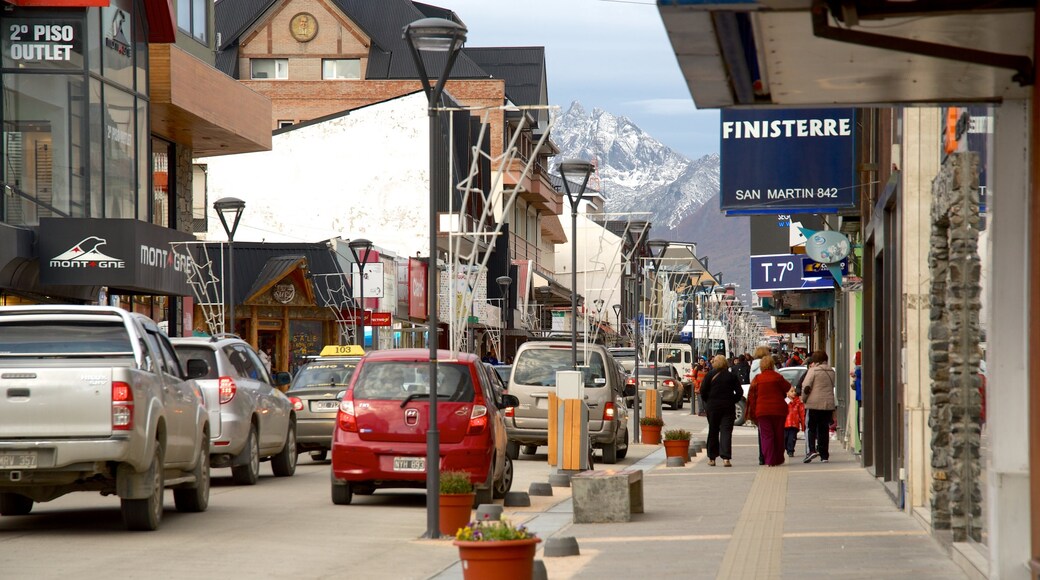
pixel 434 35
pixel 230 208
pixel 706 289
pixel 579 170
pixel 617 314
pixel 507 312
pixel 365 247
pixel 661 246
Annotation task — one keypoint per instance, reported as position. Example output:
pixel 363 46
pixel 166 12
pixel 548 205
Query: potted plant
pixel 677 443
pixel 496 550
pixel 456 501
pixel 650 429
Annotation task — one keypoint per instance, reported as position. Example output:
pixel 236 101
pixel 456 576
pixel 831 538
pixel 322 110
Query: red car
pixel 380 436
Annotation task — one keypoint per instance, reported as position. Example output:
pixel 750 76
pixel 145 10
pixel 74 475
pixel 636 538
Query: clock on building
pixel 303 27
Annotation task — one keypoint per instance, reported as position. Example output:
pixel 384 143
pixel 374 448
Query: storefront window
pixel 161 185
pixel 39 113
pixel 119 128
pixel 97 155
pixel 117 45
pixel 144 192
pixel 305 340
pixel 51 43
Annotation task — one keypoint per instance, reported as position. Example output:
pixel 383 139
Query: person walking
pixel 761 351
pixel 795 421
pixel 721 390
pixel 768 409
pixel 818 393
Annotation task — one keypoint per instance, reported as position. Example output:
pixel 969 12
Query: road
pixel 279 528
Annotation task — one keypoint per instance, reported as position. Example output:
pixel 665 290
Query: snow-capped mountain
pixel 637 172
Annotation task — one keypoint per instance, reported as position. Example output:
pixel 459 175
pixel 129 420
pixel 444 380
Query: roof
pixel 258 261
pixel 522 67
pixel 383 22
pixel 276 268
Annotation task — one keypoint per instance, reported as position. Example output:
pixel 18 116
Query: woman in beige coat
pixel 818 394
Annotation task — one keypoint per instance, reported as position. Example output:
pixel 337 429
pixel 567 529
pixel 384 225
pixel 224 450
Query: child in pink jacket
pixel 795 420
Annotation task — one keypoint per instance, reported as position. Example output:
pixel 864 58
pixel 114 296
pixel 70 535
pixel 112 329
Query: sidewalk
pixel 794 521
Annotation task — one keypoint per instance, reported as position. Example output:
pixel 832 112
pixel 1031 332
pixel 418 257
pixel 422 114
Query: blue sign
pixel 786 272
pixel 813 269
pixel 785 161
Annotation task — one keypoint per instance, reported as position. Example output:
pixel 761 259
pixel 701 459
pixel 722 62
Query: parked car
pixel 534 376
pixel 503 372
pixel 95 399
pixel 379 440
pixel 794 375
pixel 251 420
pixel 625 355
pixel 665 378
pixel 315 394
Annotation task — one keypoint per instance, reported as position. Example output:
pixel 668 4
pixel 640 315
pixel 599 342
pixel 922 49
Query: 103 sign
pixel 784 272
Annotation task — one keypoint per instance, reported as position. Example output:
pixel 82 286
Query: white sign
pixel 373 280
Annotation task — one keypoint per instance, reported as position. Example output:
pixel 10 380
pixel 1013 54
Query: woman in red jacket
pixel 768 409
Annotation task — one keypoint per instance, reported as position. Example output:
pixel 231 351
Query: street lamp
pixel 365 247
pixel 579 170
pixel 434 35
pixel 230 208
pixel 617 314
pixel 706 289
pixel 507 312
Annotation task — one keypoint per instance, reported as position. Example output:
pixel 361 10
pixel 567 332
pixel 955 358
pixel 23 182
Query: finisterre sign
pixel 784 161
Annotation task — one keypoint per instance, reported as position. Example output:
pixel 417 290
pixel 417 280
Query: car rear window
pixel 398 380
pixel 538 366
pixel 662 371
pixel 185 352
pixel 65 338
pixel 324 374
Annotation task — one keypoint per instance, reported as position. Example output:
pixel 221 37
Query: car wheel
pixel 680 403
pixel 741 418
pixel 145 514
pixel 503 485
pixel 623 452
pixel 610 453
pixel 512 449
pixel 248 473
pixel 196 498
pixel 15 504
pixel 530 449
pixel 284 464
pixel 341 493
pixel 320 455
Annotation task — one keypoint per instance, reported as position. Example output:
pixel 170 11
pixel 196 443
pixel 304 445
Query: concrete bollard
pixel 562 546
pixel 489 511
pixel 538 571
pixel 517 499
pixel 539 488
pixel 675 462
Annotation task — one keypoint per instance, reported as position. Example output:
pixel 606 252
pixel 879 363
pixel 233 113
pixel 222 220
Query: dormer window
pixel 341 68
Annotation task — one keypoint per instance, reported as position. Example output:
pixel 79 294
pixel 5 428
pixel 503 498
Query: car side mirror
pixel 282 378
pixel 509 401
pixel 197 368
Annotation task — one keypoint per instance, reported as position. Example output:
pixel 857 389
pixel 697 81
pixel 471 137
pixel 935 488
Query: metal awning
pixel 772 53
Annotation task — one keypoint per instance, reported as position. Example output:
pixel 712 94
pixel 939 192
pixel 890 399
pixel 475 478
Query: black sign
pixel 771 234
pixel 123 254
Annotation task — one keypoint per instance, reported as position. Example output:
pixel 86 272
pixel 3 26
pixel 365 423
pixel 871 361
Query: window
pixel 283 124
pixel 269 68
pixel 192 18
pixel 341 68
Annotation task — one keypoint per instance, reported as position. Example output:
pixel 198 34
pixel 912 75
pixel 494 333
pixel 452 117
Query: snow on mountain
pixel 637 172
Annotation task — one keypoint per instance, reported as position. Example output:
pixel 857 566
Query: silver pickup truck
pixel 94 398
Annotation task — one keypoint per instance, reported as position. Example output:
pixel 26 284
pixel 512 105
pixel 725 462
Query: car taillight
pixel 228 388
pixel 478 420
pixel 510 411
pixel 122 406
pixel 608 412
pixel 631 381
pixel 297 404
pixel 346 420
pixel 669 383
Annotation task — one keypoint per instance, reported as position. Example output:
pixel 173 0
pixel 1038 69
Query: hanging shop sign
pixel 123 254
pixel 788 272
pixel 417 289
pixel 792 160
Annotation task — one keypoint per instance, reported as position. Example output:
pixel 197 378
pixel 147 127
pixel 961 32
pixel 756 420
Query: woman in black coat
pixel 721 390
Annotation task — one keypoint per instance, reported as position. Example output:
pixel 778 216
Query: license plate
pixel 18 460
pixel 324 406
pixel 409 464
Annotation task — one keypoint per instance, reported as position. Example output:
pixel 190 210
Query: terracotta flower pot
pixel 497 560
pixel 651 434
pixel 677 448
pixel 455 510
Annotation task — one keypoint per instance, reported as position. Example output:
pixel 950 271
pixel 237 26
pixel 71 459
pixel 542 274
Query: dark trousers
pixel 720 433
pixel 771 432
pixel 790 439
pixel 818 435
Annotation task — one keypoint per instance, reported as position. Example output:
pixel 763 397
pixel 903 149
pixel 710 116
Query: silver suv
pixel 534 376
pixel 250 419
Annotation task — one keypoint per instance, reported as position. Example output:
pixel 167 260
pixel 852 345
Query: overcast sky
pixel 610 54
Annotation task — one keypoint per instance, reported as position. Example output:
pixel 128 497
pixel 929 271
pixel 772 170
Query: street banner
pixel 786 161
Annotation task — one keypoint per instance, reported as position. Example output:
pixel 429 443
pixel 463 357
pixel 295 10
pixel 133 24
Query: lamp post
pixel 434 35
pixel 617 314
pixel 706 288
pixel 507 312
pixel 579 170
pixel 661 246
pixel 636 313
pixel 365 247
pixel 230 208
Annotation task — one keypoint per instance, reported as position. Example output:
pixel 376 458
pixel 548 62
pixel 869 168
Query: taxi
pixel 315 393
